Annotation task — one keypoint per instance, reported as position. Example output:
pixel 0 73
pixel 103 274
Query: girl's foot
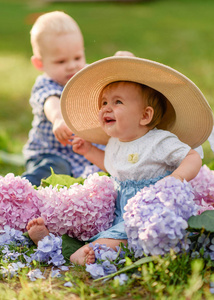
pixel 37 230
pixel 85 255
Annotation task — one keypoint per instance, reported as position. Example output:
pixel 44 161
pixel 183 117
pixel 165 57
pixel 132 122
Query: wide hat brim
pixel 189 115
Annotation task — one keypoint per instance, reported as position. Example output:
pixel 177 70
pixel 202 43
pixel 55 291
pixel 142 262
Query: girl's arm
pixel 189 166
pixel 89 151
pixel 96 157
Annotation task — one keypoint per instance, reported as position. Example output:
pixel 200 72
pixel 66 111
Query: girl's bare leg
pixel 86 255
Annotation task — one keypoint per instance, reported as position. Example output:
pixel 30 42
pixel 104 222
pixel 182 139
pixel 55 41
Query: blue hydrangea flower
pixel 95 270
pixel 10 235
pixel 64 268
pixel 102 252
pixel 108 267
pixel 10 271
pixel 18 265
pixel 122 278
pixel 107 260
pixel 50 250
pixel 68 284
pixel 10 254
pixel 55 273
pixel 35 274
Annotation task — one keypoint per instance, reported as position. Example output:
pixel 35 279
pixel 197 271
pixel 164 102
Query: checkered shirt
pixel 41 138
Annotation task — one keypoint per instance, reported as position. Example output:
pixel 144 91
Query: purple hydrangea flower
pixel 156 217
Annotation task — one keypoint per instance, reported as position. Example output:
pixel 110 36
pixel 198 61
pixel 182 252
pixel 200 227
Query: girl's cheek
pixel 100 115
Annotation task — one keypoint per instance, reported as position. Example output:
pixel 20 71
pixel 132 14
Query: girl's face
pixel 121 111
pixel 63 56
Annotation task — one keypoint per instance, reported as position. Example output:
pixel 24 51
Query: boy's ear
pixel 37 63
pixel 147 116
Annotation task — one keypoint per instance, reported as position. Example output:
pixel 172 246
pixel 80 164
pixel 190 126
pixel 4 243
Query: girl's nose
pixel 107 107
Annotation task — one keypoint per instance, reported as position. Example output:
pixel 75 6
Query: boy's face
pixel 121 111
pixel 63 56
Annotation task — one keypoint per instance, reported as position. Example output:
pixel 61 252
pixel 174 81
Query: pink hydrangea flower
pixel 81 211
pixel 203 187
pixel 18 202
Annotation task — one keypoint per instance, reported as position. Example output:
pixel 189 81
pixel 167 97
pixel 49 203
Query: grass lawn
pixel 178 33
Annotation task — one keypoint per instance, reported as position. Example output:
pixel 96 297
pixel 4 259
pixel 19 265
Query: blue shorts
pixel 127 189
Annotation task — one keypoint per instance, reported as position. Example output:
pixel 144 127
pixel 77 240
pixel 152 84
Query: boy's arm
pixel 53 113
pixel 189 166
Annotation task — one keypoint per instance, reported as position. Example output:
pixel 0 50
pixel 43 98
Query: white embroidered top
pixel 148 157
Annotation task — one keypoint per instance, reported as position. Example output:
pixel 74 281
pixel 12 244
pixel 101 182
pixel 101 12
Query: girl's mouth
pixel 108 120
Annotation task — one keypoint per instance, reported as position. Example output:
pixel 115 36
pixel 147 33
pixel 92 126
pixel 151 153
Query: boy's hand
pixel 124 53
pixel 62 133
pixel 81 146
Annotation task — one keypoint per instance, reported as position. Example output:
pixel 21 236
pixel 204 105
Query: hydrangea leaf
pixel 203 221
pixel 60 180
pixel 69 246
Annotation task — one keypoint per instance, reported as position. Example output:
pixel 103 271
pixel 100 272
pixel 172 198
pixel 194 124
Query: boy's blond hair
pixel 56 22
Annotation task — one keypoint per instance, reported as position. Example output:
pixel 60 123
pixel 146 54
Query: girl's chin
pixel 112 134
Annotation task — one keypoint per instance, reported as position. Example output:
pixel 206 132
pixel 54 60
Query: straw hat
pixel 188 115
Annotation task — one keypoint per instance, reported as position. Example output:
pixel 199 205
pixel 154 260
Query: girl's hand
pixel 81 146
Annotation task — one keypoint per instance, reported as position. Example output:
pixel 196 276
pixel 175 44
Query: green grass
pixel 170 277
pixel 178 33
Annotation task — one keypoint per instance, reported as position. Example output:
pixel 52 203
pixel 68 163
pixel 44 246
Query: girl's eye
pixel 104 103
pixel 118 102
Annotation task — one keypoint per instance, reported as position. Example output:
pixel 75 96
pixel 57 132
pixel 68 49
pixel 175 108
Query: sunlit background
pixel 178 33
